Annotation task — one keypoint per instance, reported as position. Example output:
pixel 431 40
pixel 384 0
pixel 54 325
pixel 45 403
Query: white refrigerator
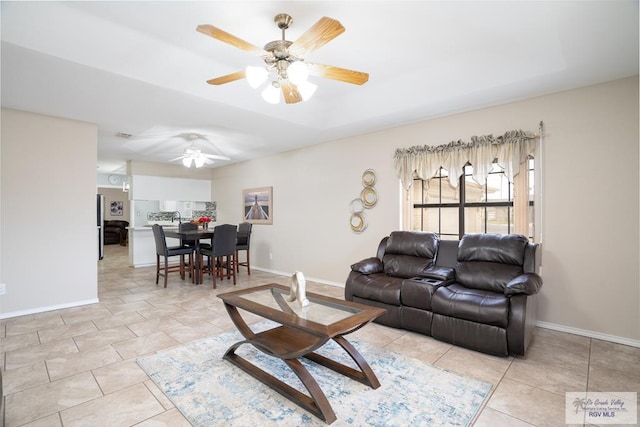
pixel 100 224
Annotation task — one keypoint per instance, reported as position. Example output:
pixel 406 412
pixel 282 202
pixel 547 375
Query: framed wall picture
pixel 257 205
pixel 116 208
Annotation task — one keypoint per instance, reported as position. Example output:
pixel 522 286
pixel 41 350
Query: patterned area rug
pixel 210 391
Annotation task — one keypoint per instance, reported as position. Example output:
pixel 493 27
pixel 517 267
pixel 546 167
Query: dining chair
pixel 187 226
pixel 221 255
pixel 163 251
pixel 242 244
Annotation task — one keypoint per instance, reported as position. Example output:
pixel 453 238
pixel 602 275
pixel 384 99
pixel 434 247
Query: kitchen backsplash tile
pixel 210 211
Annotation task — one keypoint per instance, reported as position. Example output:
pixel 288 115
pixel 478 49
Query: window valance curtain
pixel 508 150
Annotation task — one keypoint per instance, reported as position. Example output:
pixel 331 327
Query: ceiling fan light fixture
pixel 187 161
pixel 199 161
pixel 271 93
pixel 298 72
pixel 256 76
pixel 306 89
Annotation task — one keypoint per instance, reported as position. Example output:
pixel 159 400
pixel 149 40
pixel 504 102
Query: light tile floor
pixel 76 367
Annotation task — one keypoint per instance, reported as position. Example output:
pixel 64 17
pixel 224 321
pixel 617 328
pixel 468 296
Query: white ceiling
pixel 141 67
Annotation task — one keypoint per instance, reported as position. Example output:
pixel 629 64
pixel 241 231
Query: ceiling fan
pixel 194 156
pixel 156 141
pixel 285 61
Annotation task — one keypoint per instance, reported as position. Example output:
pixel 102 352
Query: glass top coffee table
pixel 302 330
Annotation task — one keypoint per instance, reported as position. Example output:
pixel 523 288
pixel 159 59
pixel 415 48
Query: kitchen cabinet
pixel 153 195
pixel 168 205
pixel 145 187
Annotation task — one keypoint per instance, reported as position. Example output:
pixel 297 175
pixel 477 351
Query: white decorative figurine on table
pixel 298 289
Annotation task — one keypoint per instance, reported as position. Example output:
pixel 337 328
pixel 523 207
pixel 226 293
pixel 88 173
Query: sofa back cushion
pixel 490 261
pixel 116 223
pixel 409 253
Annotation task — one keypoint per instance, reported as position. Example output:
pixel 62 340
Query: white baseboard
pixel 152 264
pixel 47 308
pixel 310 279
pixel 590 334
pixel 266 270
pixel 546 325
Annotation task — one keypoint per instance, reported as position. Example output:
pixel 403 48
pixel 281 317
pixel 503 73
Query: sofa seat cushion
pixel 377 287
pixel 476 305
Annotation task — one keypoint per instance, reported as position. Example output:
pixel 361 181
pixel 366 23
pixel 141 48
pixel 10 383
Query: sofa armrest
pixel 368 266
pixel 445 274
pixel 527 283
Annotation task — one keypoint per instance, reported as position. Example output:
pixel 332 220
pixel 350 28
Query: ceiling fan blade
pixel 177 158
pixel 320 33
pixel 225 37
pixel 215 156
pixel 227 78
pixel 337 73
pixel 290 92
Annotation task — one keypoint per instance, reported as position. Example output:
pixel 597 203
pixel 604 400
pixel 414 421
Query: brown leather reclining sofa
pixel 479 292
pixel 115 232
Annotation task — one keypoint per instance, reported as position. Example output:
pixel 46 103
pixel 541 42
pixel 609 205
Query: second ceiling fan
pixel 284 61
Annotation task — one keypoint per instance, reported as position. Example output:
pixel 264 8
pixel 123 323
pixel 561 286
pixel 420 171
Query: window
pixel 471 208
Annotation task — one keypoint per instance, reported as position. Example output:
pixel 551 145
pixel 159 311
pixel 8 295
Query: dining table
pixel 192 235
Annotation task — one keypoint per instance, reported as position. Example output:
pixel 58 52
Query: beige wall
pixel 591 273
pixel 590 249
pixel 115 195
pixel 48 222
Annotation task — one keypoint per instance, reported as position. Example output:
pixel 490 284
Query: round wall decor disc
pixel 369 197
pixel 369 178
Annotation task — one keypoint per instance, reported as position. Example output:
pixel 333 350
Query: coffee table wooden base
pixel 326 319
pixel 289 344
pixel 317 403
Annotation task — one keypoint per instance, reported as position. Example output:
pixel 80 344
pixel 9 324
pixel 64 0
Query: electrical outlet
pixel 3 288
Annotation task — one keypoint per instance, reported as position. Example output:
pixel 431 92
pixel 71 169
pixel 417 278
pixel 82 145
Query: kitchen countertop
pixel 148 227
pixel 167 225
